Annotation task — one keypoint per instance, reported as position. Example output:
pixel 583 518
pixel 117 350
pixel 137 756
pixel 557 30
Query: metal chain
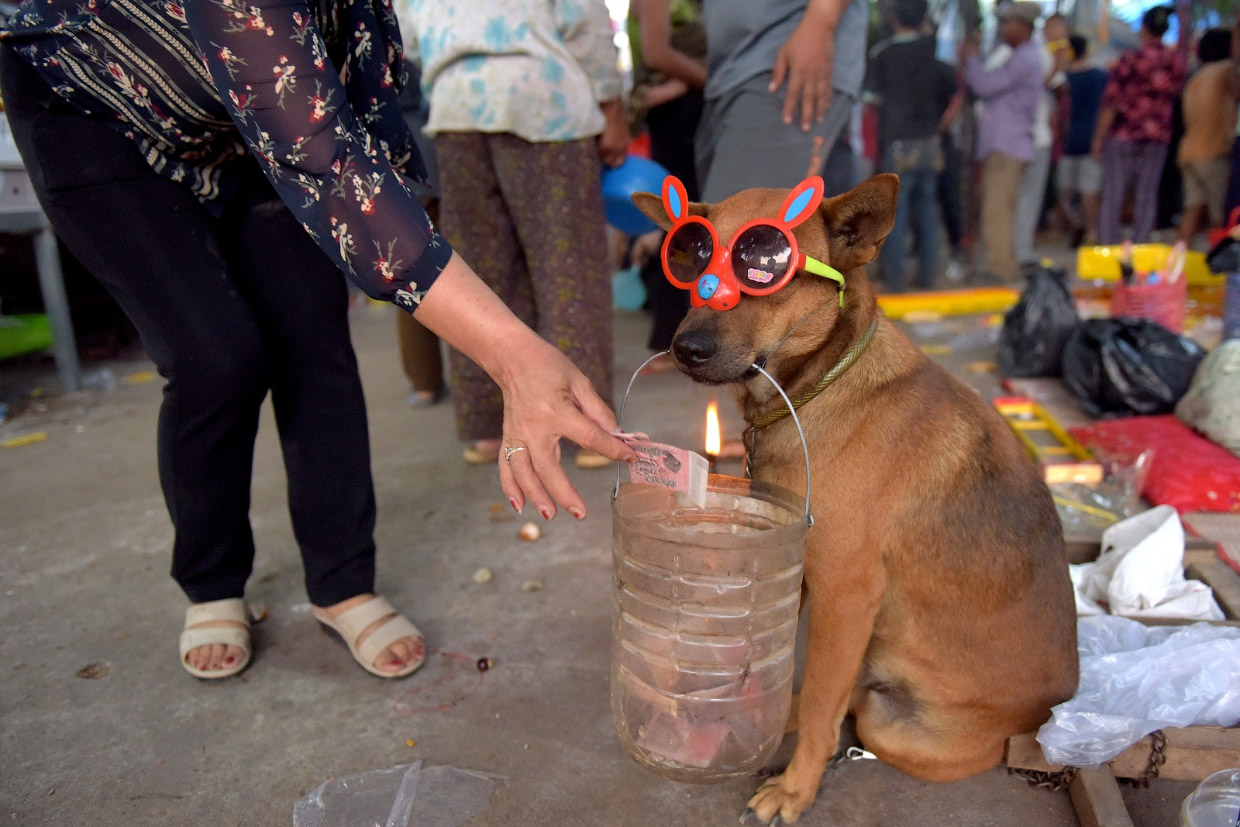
pixel 1056 781
pixel 1053 781
pixel 1158 757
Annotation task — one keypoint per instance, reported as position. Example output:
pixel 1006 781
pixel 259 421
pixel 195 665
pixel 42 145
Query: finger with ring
pixel 510 450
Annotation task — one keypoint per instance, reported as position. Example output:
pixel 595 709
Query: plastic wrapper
pixel 1136 679
pixel 1088 510
pixel 1035 330
pixel 407 795
pixel 1121 367
pixel 1212 404
pixel 1140 572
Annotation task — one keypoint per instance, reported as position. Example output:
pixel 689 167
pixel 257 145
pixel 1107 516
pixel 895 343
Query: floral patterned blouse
pixel 1142 90
pixel 199 83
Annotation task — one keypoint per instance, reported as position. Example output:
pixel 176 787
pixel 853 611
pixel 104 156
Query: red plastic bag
pixel 1188 471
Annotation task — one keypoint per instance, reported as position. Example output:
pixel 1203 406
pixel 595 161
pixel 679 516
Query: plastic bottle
pixel 1215 802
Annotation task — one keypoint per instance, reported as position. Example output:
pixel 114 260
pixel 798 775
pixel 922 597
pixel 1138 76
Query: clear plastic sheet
pixel 1088 510
pixel 1136 679
pixel 407 795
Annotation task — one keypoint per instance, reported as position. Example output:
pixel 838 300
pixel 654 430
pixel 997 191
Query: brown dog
pixel 940 610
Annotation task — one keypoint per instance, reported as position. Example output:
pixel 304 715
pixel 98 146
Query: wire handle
pixel 809 517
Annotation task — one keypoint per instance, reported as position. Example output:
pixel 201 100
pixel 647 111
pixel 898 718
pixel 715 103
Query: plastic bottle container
pixel 1215 802
pixel 706 605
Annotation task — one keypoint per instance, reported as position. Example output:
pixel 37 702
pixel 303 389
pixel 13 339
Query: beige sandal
pixel 232 609
pixel 349 625
pixel 474 455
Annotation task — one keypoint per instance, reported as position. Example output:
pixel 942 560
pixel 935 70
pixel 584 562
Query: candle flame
pixel 712 429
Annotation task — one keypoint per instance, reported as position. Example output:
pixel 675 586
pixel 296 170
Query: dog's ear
pixel 859 220
pixel 652 207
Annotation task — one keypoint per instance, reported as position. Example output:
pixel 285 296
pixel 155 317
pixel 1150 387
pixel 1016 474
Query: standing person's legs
pixel 161 261
pixel 948 191
pixel 1029 204
pixel 315 387
pixel 1067 172
pixel 895 248
pixel 1149 160
pixel 1214 175
pixel 421 359
pixel 421 356
pixel 320 411
pixel 1232 199
pixel 923 211
pixel 553 194
pixel 743 141
pixel 1089 181
pixel 477 223
pixel 1117 169
pixel 1001 176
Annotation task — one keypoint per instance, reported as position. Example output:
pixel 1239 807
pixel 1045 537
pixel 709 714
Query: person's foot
pixel 425 399
pixel 954 271
pixel 483 452
pixel 215 657
pixel 394 658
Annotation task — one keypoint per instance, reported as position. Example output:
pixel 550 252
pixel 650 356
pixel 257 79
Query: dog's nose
pixel 693 349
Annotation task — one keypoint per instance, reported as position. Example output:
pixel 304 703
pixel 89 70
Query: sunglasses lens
pixel 761 256
pixel 688 252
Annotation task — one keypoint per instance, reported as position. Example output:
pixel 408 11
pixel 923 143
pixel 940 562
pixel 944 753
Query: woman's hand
pixel 545 396
pixel 545 399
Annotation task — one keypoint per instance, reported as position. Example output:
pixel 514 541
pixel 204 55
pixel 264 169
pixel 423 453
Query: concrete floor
pixel 84 554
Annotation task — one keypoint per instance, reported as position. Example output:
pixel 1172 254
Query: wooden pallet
pixel 1193 753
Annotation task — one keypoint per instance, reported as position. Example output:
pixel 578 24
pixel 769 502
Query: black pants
pixel 228 308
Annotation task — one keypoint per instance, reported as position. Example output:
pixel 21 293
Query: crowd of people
pixel 1100 135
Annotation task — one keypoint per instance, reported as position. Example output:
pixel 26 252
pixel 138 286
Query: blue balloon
pixel 636 174
pixel 627 291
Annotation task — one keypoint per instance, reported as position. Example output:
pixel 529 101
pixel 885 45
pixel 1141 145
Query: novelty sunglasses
pixel 761 258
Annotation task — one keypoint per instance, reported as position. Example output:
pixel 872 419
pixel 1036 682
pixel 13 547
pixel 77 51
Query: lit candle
pixel 712 435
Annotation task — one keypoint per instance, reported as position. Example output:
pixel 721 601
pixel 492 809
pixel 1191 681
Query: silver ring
pixel 510 450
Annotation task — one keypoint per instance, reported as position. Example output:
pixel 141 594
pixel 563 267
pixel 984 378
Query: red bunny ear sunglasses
pixel 761 258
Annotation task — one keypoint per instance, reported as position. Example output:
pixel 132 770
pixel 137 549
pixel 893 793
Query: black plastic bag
pixel 1035 330
pixel 1225 257
pixel 1124 367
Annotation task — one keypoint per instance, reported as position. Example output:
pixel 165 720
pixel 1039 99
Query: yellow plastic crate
pixel 1103 263
pixel 949 302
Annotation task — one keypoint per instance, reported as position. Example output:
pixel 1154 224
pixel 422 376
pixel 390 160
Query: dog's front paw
pixel 779 800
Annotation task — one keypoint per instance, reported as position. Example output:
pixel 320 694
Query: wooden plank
pixel 1097 800
pixel 1084 548
pixel 1218 576
pixel 1192 754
